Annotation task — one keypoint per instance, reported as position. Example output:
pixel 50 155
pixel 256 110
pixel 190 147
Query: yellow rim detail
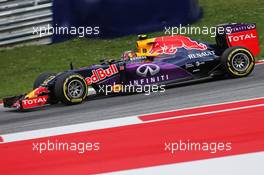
pixel 249 67
pixel 65 88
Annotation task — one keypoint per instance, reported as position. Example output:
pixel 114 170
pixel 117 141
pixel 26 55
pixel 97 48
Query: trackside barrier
pixel 17 19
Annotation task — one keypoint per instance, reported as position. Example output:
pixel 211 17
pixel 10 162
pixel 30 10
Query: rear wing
pixel 238 34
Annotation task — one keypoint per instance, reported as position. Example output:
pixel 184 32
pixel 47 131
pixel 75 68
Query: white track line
pixel 207 113
pixel 90 126
pixel 203 106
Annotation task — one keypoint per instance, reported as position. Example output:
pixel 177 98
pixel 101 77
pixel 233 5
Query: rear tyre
pixel 238 62
pixel 71 89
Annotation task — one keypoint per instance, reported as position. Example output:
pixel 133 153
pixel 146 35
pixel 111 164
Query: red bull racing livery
pixel 162 60
pixel 170 44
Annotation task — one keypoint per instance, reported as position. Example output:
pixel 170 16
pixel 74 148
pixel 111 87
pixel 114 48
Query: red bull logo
pixel 101 74
pixel 170 44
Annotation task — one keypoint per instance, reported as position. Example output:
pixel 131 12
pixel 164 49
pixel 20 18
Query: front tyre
pixel 238 62
pixel 71 88
pixel 42 78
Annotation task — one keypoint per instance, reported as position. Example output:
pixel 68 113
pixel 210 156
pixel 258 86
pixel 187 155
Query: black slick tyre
pixel 71 88
pixel 238 62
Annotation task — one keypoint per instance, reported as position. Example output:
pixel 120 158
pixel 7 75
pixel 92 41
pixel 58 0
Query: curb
pixel 259 61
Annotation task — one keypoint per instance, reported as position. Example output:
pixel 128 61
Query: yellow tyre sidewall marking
pixel 229 59
pixel 65 89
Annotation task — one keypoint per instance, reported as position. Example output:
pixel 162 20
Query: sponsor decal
pixel 16 105
pixel 197 63
pixel 101 74
pixel 142 58
pixel 192 65
pixel 148 69
pixel 149 72
pixel 189 65
pixel 30 103
pixel 241 37
pixel 251 26
pixel 48 80
pixel 150 80
pixel 170 45
pixel 240 28
pixel 201 54
pixel 35 101
pixel 196 70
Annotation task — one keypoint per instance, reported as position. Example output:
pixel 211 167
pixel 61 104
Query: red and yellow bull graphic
pixel 36 92
pixel 167 45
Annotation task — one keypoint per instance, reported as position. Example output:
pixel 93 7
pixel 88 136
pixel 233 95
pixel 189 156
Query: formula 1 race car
pixel 162 60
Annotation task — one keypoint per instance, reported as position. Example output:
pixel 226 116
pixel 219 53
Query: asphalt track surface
pixel 102 108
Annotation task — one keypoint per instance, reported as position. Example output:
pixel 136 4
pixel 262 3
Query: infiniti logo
pixel 144 69
pixel 251 26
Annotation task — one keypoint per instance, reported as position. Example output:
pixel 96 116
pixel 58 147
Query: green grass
pixel 20 66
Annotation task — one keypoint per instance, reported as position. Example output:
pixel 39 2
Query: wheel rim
pixel 75 89
pixel 240 62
